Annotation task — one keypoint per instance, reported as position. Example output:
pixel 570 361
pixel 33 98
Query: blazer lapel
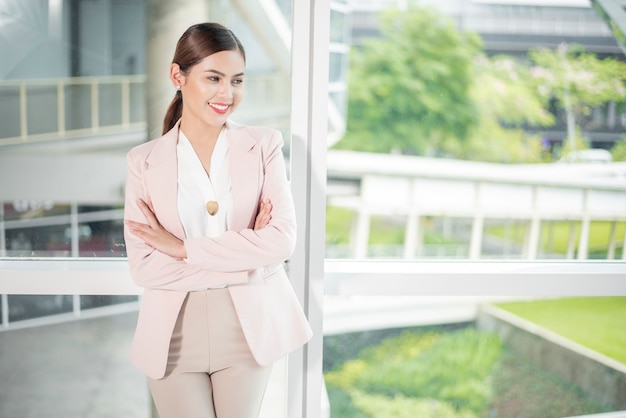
pixel 246 176
pixel 162 181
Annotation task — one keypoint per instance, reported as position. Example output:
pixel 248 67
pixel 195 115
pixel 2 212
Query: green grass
pixel 338 225
pixel 382 230
pixel 598 323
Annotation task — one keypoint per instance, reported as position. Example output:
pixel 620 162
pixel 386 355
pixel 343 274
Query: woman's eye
pixel 213 78
pixel 237 81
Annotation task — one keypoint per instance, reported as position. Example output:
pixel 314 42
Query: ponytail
pixel 174 112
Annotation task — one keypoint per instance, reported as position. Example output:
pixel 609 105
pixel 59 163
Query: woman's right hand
pixel 264 216
pixel 155 235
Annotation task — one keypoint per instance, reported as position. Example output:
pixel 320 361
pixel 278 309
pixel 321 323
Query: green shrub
pixel 415 368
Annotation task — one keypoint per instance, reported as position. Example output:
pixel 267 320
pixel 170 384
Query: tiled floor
pixel 75 369
pixel 81 369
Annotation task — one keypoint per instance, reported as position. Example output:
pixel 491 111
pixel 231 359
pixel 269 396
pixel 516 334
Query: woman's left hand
pixel 155 235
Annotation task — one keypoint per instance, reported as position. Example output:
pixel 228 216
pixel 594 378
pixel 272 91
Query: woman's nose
pixel 225 89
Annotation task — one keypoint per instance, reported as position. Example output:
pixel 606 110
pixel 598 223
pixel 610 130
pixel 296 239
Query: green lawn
pixel 598 323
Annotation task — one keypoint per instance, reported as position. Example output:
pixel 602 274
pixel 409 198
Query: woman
pixel 209 221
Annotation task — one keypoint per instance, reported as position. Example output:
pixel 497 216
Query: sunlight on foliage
pixel 378 406
pixel 452 367
pixel 618 152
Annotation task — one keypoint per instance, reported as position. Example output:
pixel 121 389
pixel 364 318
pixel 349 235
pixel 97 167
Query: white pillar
pixel 360 234
pixel 571 242
pixel 611 252
pixel 531 240
pixel 476 238
pixel 166 21
pixel 411 236
pixel 583 242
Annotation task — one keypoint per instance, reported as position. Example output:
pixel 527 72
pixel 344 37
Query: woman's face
pixel 213 88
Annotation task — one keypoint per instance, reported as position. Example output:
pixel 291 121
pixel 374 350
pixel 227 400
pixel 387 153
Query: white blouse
pixel 196 188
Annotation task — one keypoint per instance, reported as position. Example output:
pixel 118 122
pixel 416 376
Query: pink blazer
pixel 249 262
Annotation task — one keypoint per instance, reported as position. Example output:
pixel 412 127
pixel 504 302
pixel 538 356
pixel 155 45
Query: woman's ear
pixel 176 75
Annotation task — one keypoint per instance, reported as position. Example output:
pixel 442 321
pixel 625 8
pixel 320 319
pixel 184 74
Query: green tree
pixel 409 91
pixel 578 81
pixel 618 151
pixel 506 101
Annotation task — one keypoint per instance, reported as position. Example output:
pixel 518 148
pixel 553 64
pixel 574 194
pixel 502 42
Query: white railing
pixel 417 188
pixel 36 110
pixel 60 108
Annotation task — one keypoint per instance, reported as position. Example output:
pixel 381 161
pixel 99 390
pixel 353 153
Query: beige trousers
pixel 210 371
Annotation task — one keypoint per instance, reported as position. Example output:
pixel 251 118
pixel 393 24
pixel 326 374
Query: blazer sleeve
pixel 153 269
pixel 249 249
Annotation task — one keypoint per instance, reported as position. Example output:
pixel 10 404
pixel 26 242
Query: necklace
pixel 212 207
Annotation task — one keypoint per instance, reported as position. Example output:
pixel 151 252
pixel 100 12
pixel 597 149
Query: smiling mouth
pixel 219 107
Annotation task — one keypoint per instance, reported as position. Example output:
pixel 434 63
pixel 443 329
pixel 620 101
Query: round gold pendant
pixel 212 207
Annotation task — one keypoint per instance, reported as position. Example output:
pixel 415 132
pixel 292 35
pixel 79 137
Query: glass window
pixel 444 164
pixel 74 98
pixel 439 112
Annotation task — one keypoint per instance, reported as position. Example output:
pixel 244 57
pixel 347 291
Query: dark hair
pixel 197 43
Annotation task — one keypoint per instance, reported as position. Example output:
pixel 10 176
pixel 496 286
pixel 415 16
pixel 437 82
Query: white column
pixel 571 242
pixel 531 240
pixel 166 21
pixel 476 238
pixel 583 242
pixel 309 102
pixel 611 252
pixel 411 235
pixel 360 234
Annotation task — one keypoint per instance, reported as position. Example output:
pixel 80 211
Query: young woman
pixel 209 221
